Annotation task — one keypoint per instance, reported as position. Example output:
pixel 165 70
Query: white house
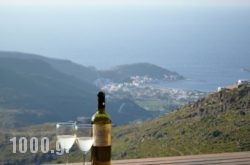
pixel 242 82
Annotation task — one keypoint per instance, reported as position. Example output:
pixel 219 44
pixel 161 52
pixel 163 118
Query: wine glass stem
pixel 83 159
pixel 67 158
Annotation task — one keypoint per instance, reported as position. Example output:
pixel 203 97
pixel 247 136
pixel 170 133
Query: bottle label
pixel 102 134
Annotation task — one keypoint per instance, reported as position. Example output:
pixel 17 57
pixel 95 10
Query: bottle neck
pixel 101 101
pixel 101 107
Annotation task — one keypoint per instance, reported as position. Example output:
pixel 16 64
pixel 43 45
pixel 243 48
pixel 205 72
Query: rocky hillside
pixel 219 122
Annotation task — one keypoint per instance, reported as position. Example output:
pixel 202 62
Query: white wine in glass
pixel 84 139
pixel 66 136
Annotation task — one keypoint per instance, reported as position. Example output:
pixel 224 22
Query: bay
pixel 209 46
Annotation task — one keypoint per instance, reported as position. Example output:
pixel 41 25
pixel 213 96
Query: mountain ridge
pixel 46 88
pixel 124 72
pixel 90 73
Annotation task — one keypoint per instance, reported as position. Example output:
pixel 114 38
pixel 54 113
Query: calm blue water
pixel 207 81
pixel 209 74
pixel 207 45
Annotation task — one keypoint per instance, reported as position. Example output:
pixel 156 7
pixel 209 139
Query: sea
pixel 208 44
pixel 208 80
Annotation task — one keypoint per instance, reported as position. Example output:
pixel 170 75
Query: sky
pixel 104 33
pixel 124 2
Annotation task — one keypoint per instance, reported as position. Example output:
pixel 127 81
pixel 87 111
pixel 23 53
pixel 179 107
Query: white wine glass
pixel 84 139
pixel 65 132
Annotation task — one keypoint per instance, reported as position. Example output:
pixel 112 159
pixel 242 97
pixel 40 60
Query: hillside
pixel 35 89
pixel 32 91
pixel 120 73
pixel 219 122
pixel 65 66
pixel 124 73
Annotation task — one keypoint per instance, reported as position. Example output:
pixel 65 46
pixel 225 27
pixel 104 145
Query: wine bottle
pixel 101 125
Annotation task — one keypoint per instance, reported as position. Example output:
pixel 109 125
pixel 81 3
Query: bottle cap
pixel 101 99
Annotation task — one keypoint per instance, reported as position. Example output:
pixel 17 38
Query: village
pixel 143 91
